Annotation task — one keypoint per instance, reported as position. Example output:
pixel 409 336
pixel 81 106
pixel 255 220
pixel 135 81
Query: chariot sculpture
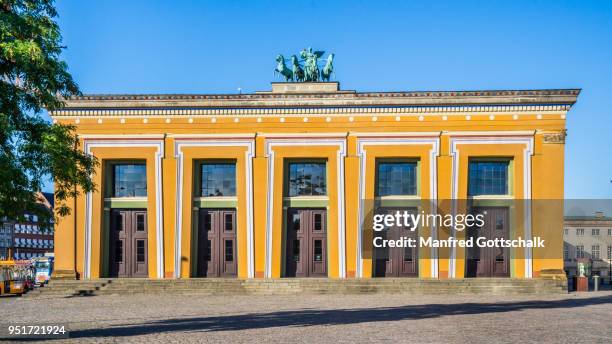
pixel 305 68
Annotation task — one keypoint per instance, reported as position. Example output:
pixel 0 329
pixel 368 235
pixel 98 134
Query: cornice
pixel 418 101
pixel 607 221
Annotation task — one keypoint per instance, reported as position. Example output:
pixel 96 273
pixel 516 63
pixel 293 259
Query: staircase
pixel 292 286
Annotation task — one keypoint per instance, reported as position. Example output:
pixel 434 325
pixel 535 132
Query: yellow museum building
pixel 281 183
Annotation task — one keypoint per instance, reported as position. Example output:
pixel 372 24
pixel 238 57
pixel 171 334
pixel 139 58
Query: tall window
pixel 129 180
pixel 580 231
pixel 579 251
pixel 609 231
pixel 218 179
pixel 610 252
pixel 488 178
pixel 595 232
pixel 566 231
pixel 565 252
pixel 396 178
pixel 595 252
pixel 307 179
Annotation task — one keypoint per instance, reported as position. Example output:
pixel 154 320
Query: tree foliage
pixel 34 78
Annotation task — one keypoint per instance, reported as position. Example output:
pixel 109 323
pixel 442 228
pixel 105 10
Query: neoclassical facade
pixel 280 183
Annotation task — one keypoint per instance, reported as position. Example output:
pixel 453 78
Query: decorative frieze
pixel 555 138
pixel 245 112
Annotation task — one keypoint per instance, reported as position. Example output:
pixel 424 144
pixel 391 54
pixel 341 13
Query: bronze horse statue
pixel 305 67
pixel 298 72
pixel 328 69
pixel 282 69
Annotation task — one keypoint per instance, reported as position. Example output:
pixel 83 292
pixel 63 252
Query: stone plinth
pixel 305 87
pixel 582 284
pixel 64 275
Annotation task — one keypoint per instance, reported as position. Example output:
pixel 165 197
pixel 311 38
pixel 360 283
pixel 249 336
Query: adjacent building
pixel 280 183
pixel 6 239
pixel 30 237
pixel 589 237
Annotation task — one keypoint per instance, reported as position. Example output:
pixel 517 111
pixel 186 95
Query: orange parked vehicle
pixel 11 281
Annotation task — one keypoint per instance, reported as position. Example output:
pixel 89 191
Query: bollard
pixel 595 283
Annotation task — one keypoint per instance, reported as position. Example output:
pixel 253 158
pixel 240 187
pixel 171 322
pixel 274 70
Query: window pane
pixel 488 178
pixel 396 178
pixel 140 251
pixel 140 222
pixel 318 222
pixel 129 180
pixel 307 179
pixel 296 221
pixel 408 254
pixel 229 251
pixel 218 179
pixel 499 223
pixel 229 222
pixel 595 252
pixel 318 250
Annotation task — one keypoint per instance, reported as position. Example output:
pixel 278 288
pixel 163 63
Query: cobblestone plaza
pixel 325 318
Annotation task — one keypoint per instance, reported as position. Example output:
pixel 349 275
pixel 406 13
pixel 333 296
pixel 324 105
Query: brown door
pixel 216 243
pixel 396 261
pixel 489 261
pixel 306 243
pixel 128 254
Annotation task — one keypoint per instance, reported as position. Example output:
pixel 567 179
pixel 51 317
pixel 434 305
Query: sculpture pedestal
pixel 582 284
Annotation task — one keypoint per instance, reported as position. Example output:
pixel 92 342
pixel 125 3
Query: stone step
pixel 288 286
pixel 312 292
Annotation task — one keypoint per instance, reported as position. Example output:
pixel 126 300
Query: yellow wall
pixel 546 179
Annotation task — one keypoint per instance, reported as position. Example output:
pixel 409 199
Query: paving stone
pixel 366 318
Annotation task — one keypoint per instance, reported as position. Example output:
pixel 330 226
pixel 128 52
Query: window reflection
pixel 218 179
pixel 129 180
pixel 488 178
pixel 396 178
pixel 307 179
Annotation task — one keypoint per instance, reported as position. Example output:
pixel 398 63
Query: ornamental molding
pixel 338 111
pixel 555 137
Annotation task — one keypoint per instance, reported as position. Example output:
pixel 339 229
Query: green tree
pixel 33 78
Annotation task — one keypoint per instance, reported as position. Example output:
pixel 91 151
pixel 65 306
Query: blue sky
pixel 219 46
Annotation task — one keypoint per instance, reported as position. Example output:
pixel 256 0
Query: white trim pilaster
pixel 127 141
pixel 214 141
pixel 306 140
pixel 486 139
pixel 408 139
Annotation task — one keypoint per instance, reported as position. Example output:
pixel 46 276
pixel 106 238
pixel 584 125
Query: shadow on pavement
pixel 312 317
